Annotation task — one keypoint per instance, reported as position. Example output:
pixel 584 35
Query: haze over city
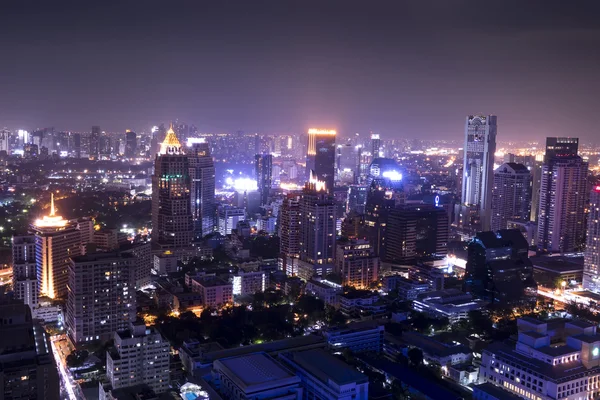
pixel 409 69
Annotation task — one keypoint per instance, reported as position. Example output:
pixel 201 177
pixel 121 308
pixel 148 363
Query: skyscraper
pixel 27 367
pixel 25 283
pixel 563 192
pixel 317 225
pixel 375 145
pixel 320 156
pixel 101 298
pixel 172 222
pixel 416 231
pixel 77 145
pixel 94 142
pixel 130 144
pixel 263 166
pixel 478 168
pixel 289 232
pixel 202 198
pixel 56 240
pixel 511 195
pixel 591 266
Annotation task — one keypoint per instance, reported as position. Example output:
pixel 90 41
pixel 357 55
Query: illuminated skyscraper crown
pixel 171 144
pixel 315 184
pixel 52 220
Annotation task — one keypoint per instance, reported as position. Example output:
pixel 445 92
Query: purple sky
pixel 402 68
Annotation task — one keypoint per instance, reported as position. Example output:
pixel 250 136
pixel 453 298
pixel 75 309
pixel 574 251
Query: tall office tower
pixel 357 263
pixel 357 198
pixel 511 195
pixel 94 143
pixel 320 156
pixel 563 197
pixel 591 266
pixel 382 196
pixel 263 166
pixel 416 231
pixel 56 239
pixel 498 267
pixel 101 298
pixel 172 221
pixel 317 223
pixel 478 169
pixel 27 367
pixel 289 233
pixel 4 139
pixel 347 163
pixel 130 144
pixel 140 356
pixel 375 145
pixel 77 145
pixel 25 283
pixel 202 198
pixel 536 183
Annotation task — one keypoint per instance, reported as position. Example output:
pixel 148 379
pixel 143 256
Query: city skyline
pixel 285 69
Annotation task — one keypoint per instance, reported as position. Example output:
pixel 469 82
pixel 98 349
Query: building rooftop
pixel 559 264
pixel 327 367
pixel 495 392
pixel 556 351
pixel 254 370
pixel 209 281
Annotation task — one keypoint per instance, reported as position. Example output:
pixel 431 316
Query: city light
pixel 314 131
pixel 392 175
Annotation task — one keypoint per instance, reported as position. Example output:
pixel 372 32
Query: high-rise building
pixel 563 197
pixel 263 165
pixel 229 216
pixel 347 163
pixel 172 221
pixel 4 141
pixel 27 367
pixel 511 195
pixel 320 156
pixel 77 145
pixel 25 283
pixel 94 142
pixel 202 198
pixel 357 198
pixel 56 240
pixel 317 223
pixel 478 169
pixel 383 196
pixel 416 231
pixel 375 145
pixel 101 297
pixel 536 183
pixel 591 266
pixel 289 232
pixel 140 356
pixel 130 144
pixel 498 268
pixel 357 263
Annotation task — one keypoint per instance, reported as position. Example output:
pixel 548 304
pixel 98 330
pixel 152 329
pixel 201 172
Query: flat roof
pixel 581 323
pixel 256 369
pixel 327 367
pixel 558 264
pixel 496 392
pixel 557 351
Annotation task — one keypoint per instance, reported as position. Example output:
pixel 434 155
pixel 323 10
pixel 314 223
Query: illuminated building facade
pixel 320 156
pixel 289 233
pixel 94 142
pixel 511 195
pixel 563 198
pixel 591 266
pixel 229 216
pixel 25 283
pixel 317 223
pixel 202 197
pixel 101 298
pixel 172 221
pixel 478 167
pixel 375 145
pixel 56 240
pixel 130 144
pixel 357 263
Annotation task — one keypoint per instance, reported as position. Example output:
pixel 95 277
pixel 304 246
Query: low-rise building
pixel 435 351
pixel 216 292
pixel 250 282
pixel 408 289
pixel 164 263
pixel 546 364
pixel 325 290
pixel 356 337
pixel 362 302
pixel 255 376
pixel 324 376
pixel 451 303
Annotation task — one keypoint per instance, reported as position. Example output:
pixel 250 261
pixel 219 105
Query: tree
pixel 415 356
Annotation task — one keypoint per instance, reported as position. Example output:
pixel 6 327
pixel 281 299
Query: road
pixel 69 387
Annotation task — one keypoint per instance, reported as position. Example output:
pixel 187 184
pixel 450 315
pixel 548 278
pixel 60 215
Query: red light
pixel 597 188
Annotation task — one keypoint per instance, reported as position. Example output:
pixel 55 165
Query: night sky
pixel 400 68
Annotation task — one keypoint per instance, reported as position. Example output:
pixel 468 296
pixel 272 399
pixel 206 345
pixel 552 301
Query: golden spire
pixel 52 210
pixel 171 143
